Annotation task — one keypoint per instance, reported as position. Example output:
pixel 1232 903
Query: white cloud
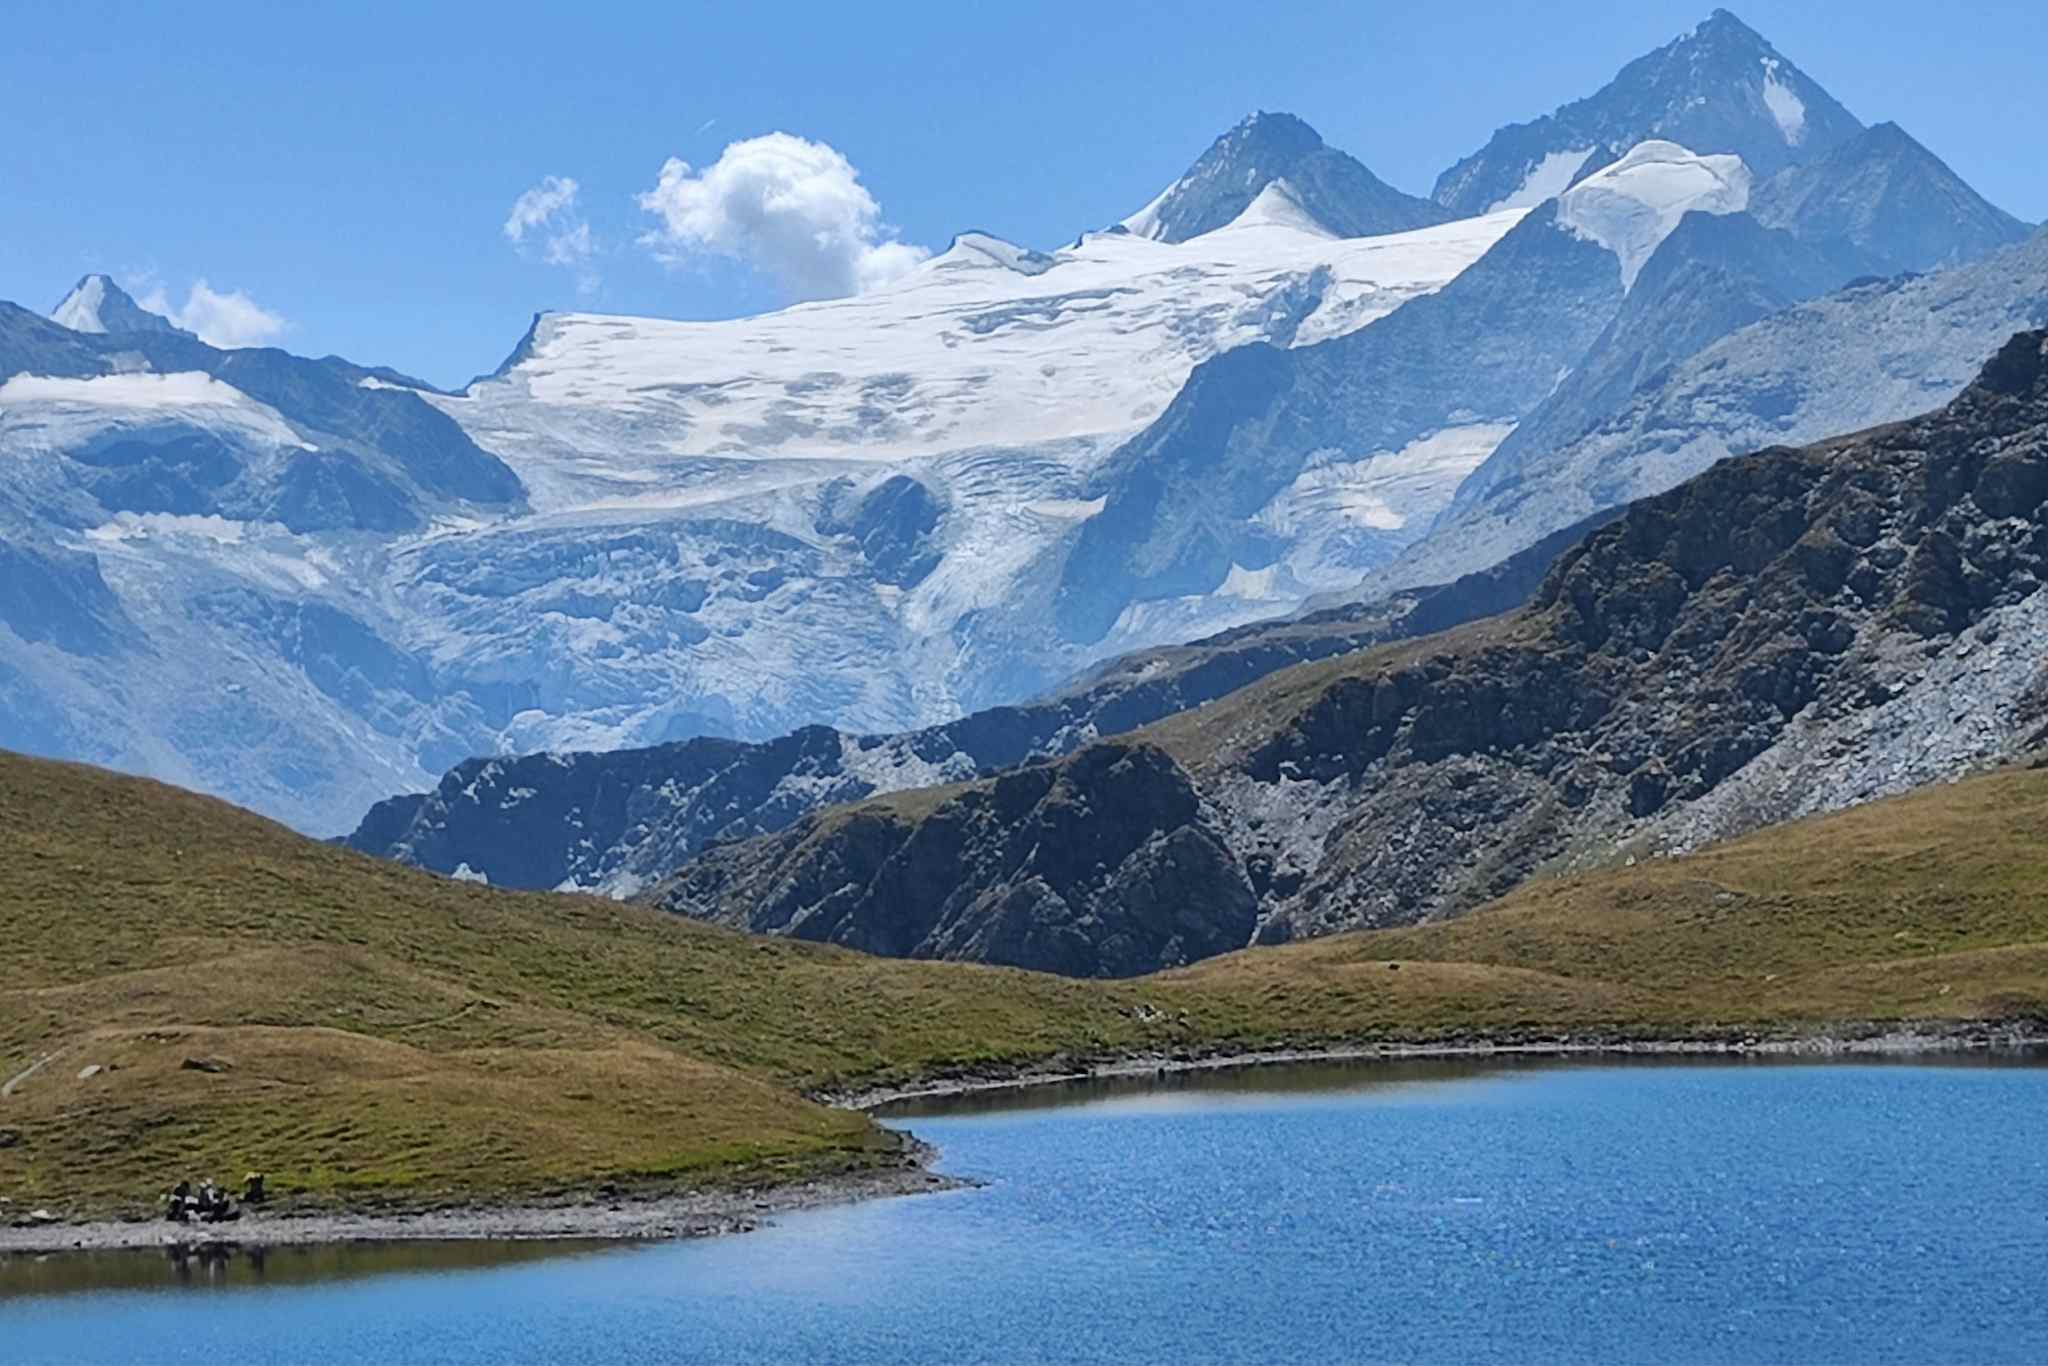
pixel 792 208
pixel 226 320
pixel 569 248
pixel 548 215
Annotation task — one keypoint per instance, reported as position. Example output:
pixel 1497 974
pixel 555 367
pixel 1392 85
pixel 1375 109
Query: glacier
pixel 849 511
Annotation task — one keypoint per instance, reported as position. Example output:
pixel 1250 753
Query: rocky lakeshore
pixel 1892 1039
pixel 623 1218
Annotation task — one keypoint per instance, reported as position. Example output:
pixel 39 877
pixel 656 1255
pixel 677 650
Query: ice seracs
pixel 1632 206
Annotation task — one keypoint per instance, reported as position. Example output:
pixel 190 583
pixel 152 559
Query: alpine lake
pixel 1496 1211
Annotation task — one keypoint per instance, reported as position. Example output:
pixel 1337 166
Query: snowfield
pixel 988 345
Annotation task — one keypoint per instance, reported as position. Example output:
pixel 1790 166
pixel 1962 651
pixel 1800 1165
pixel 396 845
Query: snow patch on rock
pixel 41 410
pixel 1785 105
pixel 80 310
pixel 1340 497
pixel 1547 179
pixel 1278 206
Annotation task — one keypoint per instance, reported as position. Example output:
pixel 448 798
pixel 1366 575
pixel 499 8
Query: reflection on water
pixel 1364 1074
pixel 1343 1076
pixel 226 1267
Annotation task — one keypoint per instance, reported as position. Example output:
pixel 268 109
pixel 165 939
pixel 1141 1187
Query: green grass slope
pixel 187 988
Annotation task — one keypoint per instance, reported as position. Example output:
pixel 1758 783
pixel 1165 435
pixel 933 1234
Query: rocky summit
pixel 1720 88
pixel 1792 631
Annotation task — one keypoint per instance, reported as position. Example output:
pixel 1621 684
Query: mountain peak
pixel 1274 133
pixel 1721 88
pixel 97 304
pixel 1722 26
pixel 1333 191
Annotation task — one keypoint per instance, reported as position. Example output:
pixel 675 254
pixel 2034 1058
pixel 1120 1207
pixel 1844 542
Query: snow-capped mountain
pixel 1879 204
pixel 196 544
pixel 97 304
pixel 1304 470
pixel 1714 274
pixel 1274 167
pixel 1719 89
pixel 307 584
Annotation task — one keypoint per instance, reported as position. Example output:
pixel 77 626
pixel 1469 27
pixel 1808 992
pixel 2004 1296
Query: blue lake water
pixel 1725 1213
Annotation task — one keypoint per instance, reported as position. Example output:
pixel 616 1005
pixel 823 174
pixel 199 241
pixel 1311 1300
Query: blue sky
pixel 350 170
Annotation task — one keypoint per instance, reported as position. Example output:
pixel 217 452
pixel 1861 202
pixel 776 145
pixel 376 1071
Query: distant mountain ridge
pixel 1874 353
pixel 353 581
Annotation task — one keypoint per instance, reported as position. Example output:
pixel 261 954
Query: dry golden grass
pixel 378 1034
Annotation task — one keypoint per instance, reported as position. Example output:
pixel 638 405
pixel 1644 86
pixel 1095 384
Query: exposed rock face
pixel 1893 199
pixel 1877 352
pixel 1096 867
pixel 1720 88
pixel 1715 274
pixel 1279 152
pixel 1791 631
pixel 893 522
pixel 621 820
pixel 1180 499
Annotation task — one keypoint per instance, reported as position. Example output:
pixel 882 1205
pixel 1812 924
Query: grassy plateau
pixel 186 988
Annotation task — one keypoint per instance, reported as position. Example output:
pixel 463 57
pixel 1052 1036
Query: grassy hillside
pixel 365 1033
